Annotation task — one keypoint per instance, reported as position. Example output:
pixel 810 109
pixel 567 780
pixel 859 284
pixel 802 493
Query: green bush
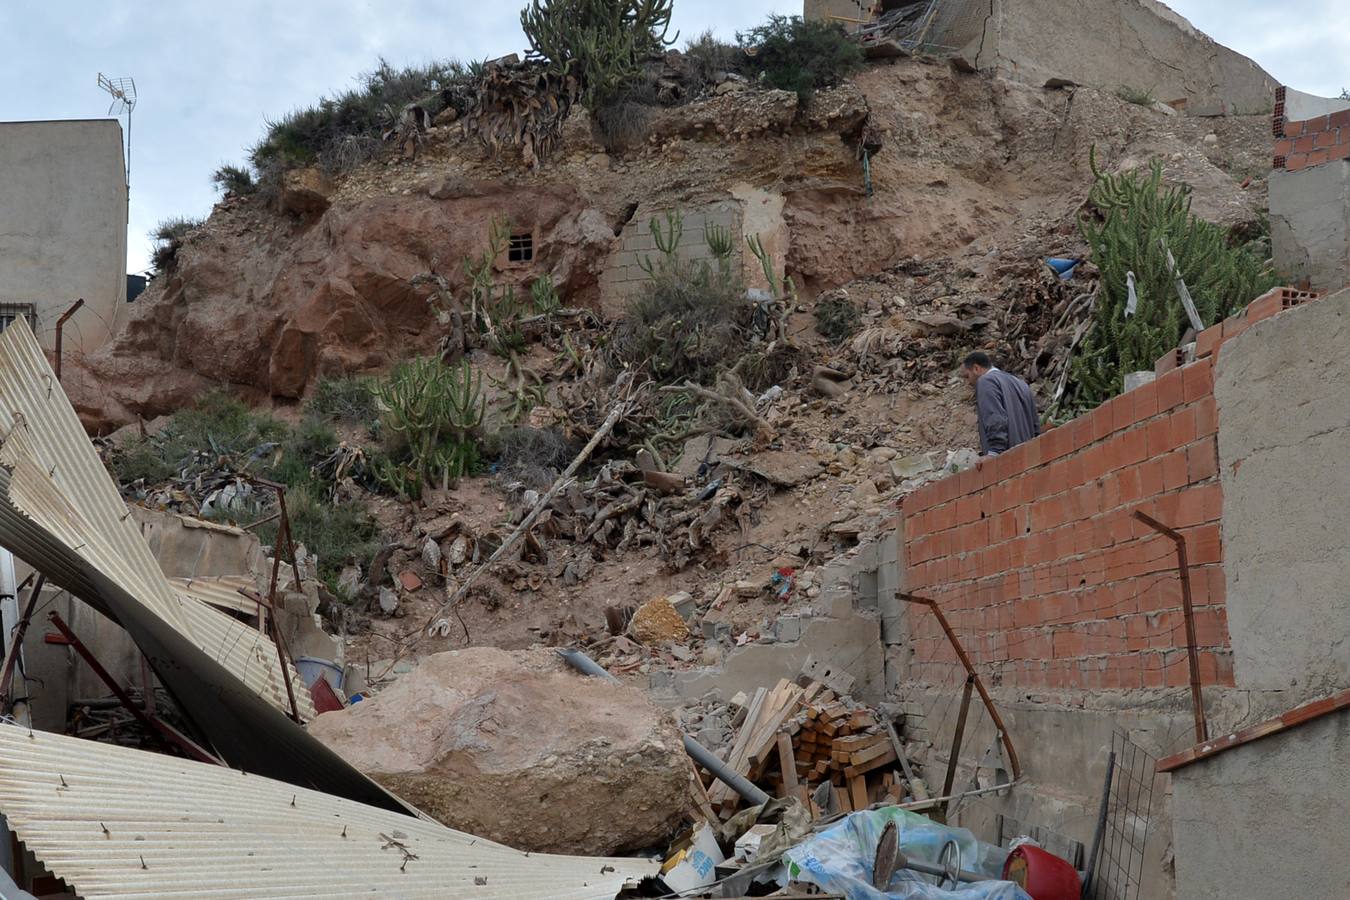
pixel 706 58
pixel 343 131
pixel 334 532
pixel 1133 215
pixel 791 54
pixel 350 398
pixel 602 43
pixel 234 181
pixel 167 237
pixel 688 320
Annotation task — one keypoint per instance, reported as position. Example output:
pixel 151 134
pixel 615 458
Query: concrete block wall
pixel 1309 189
pixel 624 273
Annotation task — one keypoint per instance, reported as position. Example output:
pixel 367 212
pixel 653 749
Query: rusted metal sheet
pixel 117 822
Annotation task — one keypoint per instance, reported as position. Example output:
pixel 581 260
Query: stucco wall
pixel 1310 224
pixel 1266 819
pixel 63 225
pixel 1111 44
pixel 1284 426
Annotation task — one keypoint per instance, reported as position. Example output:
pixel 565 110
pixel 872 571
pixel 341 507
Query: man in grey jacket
pixel 1004 404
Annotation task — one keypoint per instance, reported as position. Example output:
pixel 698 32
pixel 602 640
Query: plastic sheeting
pixel 840 858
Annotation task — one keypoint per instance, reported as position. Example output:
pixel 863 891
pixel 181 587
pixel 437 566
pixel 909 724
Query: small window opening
pixel 521 248
pixel 9 312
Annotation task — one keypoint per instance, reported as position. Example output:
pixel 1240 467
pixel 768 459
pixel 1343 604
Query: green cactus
pixel 426 403
pixel 1136 217
pixel 601 43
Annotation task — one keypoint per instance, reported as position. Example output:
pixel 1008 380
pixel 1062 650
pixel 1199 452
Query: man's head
pixel 975 365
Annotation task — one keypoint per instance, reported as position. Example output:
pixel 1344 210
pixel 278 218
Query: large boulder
pixel 518 748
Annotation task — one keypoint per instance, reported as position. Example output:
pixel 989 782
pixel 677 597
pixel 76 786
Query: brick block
pixel 1158 433
pixel 1080 432
pixel 1208 341
pixel 1283 147
pixel 1101 420
pixel 1317 157
pixel 1122 412
pixel 1170 360
pixel 1206 416
pixel 1171 389
pixel 1211 627
pixel 1182 427
pixel 1202 460
pixel 1296 162
pixel 1204 544
pixel 1197 380
pixel 1304 144
pixel 1265 306
pixel 1326 139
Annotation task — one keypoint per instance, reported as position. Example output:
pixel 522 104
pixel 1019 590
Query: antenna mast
pixel 123 91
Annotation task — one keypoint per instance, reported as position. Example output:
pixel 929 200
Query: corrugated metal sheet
pixel 61 486
pixel 220 591
pixel 116 822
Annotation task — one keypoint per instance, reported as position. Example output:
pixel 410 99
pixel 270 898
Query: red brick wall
pixel 1310 142
pixel 1037 559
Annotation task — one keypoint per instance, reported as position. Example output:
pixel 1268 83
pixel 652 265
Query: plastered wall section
pixel 63 225
pixel 1242 821
pixel 1114 44
pixel 1283 451
pixel 1309 189
pixel 624 272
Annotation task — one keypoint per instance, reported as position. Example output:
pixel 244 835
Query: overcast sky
pixel 209 74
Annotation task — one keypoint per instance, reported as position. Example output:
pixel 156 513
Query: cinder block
pixel 788 628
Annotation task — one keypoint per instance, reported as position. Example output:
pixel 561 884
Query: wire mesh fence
pixel 1117 869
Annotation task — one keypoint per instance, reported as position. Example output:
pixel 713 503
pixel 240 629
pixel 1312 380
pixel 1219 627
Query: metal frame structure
pixel 1116 864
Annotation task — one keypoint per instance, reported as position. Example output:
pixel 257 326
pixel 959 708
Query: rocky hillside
pixel 977 180
pixel 266 303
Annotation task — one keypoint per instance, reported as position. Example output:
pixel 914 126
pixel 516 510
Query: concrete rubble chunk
pixel 517 748
pixel 657 621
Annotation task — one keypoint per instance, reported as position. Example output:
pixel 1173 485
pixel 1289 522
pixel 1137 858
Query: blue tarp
pixel 840 859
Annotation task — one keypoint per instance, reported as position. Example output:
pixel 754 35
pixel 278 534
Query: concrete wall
pixel 1114 44
pixel 1266 819
pixel 1310 224
pixel 63 225
pixel 1309 189
pixel 1284 429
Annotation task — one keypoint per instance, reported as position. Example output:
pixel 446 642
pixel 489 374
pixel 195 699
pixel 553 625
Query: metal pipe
pixel 923 868
pixel 701 754
pixel 154 725
pixel 979 683
pixel 1188 612
pixel 956 742
pixel 283 532
pixel 60 325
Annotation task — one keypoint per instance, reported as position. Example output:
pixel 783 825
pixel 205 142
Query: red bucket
pixel 1042 875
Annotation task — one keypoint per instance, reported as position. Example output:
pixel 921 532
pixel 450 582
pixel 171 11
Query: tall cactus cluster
pixel 437 410
pixel 603 43
pixel 1135 219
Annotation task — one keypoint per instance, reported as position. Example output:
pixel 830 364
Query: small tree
pixel 602 43
pixel 1136 221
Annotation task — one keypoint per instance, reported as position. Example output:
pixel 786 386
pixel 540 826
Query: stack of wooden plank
pixel 795 737
pixel 767 713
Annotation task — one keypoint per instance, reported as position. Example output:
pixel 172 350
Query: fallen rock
pixel 410 581
pixel 657 621
pixel 305 192
pixel 517 748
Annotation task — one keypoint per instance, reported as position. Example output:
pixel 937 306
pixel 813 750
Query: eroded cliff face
pixel 265 302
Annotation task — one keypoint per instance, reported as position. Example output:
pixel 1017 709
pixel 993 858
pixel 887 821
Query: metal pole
pixel 1188 611
pixel 701 754
pixel 283 532
pixel 61 324
pixel 151 723
pixel 956 743
pixel 979 684
pixel 1101 825
pixel 16 643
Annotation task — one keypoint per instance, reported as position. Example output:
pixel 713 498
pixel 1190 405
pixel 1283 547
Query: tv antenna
pixel 123 91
